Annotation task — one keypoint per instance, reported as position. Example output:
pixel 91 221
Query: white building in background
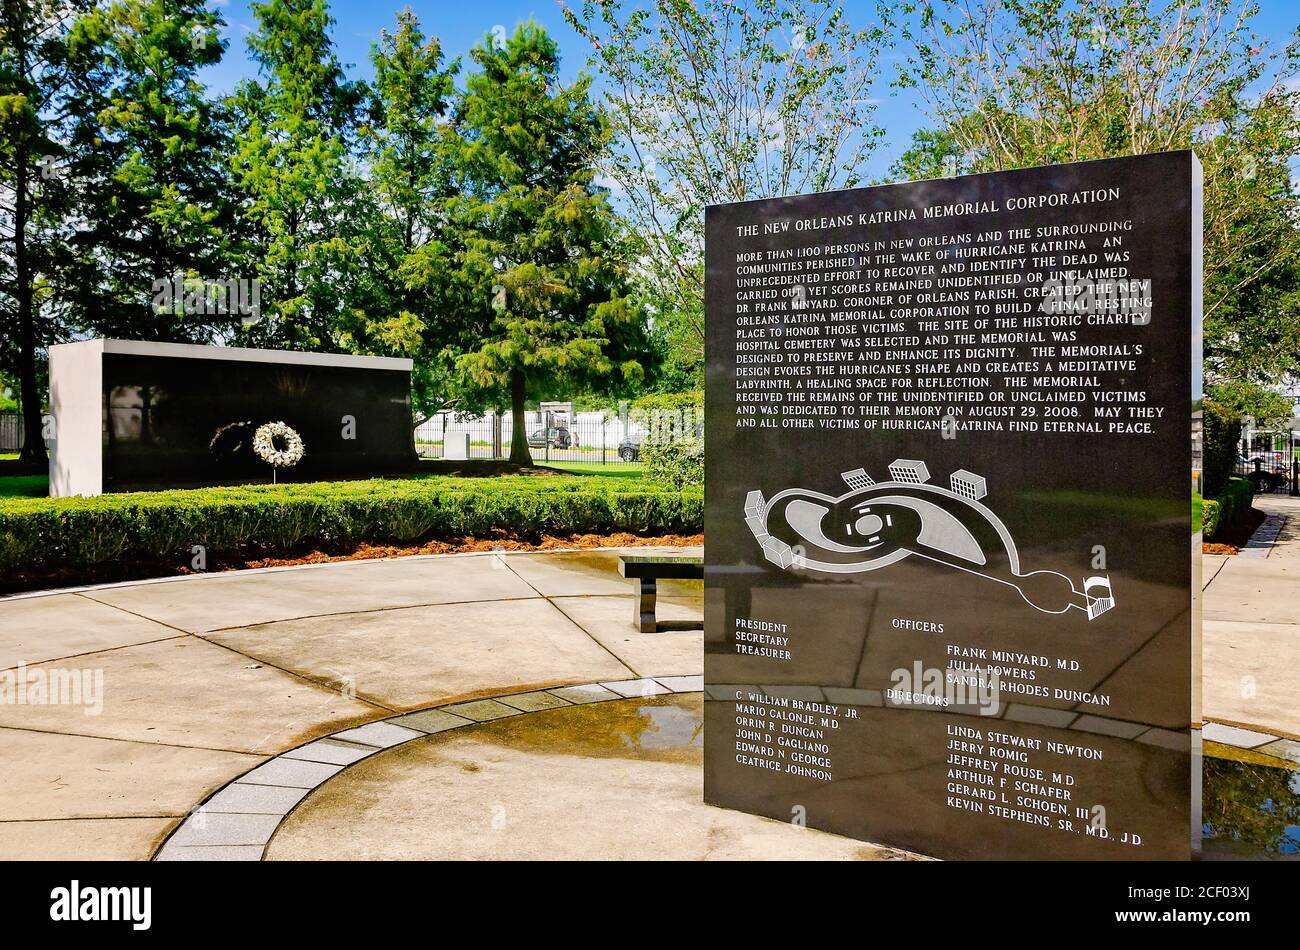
pixel 489 435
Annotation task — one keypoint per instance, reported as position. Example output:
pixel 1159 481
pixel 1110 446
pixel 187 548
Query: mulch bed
pixel 505 542
pixel 134 570
pixel 1231 538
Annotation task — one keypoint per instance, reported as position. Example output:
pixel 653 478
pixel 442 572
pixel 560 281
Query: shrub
pixel 1235 498
pixel 672 446
pixel 692 399
pixel 674 464
pixel 1220 435
pixel 86 531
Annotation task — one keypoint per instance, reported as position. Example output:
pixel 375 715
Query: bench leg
pixel 644 607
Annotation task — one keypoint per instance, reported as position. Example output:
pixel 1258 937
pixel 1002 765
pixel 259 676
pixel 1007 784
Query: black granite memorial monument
pixel 140 415
pixel 951 594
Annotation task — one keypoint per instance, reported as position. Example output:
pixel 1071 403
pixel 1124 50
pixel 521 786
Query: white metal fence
pixel 599 438
pixel 11 432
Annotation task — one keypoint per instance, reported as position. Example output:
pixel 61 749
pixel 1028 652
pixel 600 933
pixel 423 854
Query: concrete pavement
pixel 1251 613
pixel 203 678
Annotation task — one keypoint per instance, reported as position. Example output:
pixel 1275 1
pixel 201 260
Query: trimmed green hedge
pixel 1235 497
pixel 674 464
pixel 1209 518
pixel 691 399
pixel 1221 438
pixel 84 531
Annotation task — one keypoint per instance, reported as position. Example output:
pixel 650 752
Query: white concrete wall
pixel 76 397
pixel 76 403
pixel 244 354
pixel 456 446
pixel 585 426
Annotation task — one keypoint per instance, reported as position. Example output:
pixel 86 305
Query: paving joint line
pixel 165 745
pixel 369 610
pixel 77 656
pixel 617 659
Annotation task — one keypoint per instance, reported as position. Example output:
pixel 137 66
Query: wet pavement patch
pixel 1251 810
pixel 609 780
pixel 658 728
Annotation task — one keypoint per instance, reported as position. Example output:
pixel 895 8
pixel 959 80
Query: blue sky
pixel 460 25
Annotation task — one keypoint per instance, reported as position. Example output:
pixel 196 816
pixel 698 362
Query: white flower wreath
pixel 264 440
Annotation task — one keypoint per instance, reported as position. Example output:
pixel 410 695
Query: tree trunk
pixel 519 453
pixel 33 450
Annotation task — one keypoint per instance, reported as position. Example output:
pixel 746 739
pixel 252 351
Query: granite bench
pixel 647 571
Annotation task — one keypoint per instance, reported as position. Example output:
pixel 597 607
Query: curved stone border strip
pixel 237 822
pixel 1265 536
pixel 1254 738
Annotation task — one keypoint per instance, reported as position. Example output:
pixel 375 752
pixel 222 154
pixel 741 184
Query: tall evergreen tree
pixel 399 223
pixel 291 164
pixel 540 262
pixel 148 155
pixel 34 106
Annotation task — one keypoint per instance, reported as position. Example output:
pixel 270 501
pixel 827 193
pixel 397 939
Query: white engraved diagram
pixel 876 524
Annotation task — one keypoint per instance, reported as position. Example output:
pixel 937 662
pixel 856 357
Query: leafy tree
pixel 1031 82
pixel 34 200
pixel 675 358
pixel 1270 408
pixel 1252 250
pixel 723 100
pixel 409 103
pixel 934 153
pixel 401 228
pixel 8 391
pixel 537 256
pixel 1221 441
pixel 291 166
pixel 1252 805
pixel 147 162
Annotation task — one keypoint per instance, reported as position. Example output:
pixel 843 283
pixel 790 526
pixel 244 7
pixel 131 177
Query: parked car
pixel 1268 481
pixel 629 450
pixel 557 437
pixel 1264 458
pixel 1274 471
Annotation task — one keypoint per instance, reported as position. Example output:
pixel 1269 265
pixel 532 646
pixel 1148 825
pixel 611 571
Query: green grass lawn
pixel 24 486
pixel 620 470
pixel 437 444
